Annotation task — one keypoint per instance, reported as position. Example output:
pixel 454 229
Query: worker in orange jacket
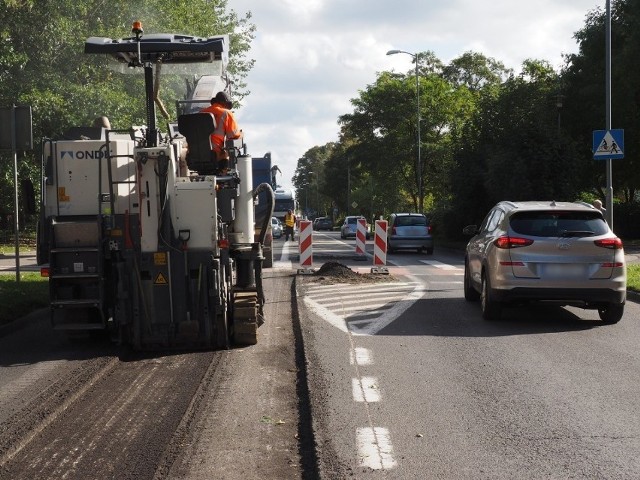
pixel 226 128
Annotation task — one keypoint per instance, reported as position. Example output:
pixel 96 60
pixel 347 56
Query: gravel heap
pixel 336 272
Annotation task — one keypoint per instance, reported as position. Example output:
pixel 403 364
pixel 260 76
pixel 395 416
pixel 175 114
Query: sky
pixel 314 56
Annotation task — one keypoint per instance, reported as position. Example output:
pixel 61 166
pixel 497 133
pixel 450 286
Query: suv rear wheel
pixel 491 309
pixel 612 313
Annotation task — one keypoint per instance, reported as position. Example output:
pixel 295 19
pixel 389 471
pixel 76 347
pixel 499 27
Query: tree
pixel 475 71
pixel 383 128
pixel 584 81
pixel 513 149
pixel 44 65
pixel 311 181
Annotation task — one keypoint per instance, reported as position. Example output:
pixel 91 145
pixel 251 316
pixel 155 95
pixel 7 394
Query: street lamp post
pixel 317 193
pixel 609 165
pixel 559 99
pixel 419 167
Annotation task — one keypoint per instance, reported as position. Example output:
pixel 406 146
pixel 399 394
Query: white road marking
pixel 365 389
pixel 374 448
pixel 361 356
pixel 399 299
pixel 280 265
pixel 440 265
pixel 326 314
pixel 392 314
pixel 284 263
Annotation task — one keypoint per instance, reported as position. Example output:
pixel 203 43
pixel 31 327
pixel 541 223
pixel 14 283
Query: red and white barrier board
pixel 380 244
pixel 305 243
pixel 361 236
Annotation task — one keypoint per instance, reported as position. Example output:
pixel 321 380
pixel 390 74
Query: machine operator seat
pixel 197 129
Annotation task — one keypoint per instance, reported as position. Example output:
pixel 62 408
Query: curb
pixel 633 296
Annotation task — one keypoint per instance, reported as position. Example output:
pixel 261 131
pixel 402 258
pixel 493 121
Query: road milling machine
pixel 161 255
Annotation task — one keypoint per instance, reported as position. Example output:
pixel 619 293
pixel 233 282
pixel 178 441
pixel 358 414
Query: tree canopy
pixel 42 63
pixel 488 134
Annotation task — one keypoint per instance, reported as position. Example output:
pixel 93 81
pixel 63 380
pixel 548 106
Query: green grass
pixel 633 277
pixel 17 299
pixel 7 241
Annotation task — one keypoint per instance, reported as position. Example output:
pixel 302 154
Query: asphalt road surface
pixel 388 377
pixel 76 410
pixel 408 381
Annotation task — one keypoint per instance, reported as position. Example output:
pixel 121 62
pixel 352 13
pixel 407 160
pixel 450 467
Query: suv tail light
pixel 512 242
pixel 612 243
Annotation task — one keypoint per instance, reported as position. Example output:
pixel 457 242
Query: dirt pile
pixel 336 272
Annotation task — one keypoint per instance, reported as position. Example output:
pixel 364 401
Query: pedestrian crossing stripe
pixel 160 279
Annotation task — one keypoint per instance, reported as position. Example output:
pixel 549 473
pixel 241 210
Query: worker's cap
pixel 223 99
pixel 289 210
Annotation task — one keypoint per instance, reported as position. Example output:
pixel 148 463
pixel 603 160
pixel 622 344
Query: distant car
pixel 554 252
pixel 349 227
pixel 276 227
pixel 323 223
pixel 409 231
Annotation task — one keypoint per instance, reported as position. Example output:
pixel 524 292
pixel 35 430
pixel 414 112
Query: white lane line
pixel 361 356
pixel 284 263
pixel 374 448
pixel 392 314
pixel 365 389
pixel 345 288
pixel 375 324
pixel 362 307
pixel 280 265
pixel 351 287
pixel 440 265
pixel 326 314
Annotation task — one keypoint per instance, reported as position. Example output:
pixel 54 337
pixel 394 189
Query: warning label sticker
pixel 160 279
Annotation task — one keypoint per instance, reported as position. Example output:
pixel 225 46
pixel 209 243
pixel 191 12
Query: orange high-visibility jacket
pixel 226 125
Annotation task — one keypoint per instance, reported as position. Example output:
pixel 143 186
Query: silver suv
pixel 409 231
pixel 557 252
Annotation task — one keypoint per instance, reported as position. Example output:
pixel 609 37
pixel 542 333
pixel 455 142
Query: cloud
pixel 313 56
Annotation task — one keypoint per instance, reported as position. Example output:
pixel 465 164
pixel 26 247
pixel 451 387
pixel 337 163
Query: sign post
pixel 16 121
pixel 608 145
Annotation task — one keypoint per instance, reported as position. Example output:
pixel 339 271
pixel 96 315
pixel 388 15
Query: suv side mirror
pixel 470 230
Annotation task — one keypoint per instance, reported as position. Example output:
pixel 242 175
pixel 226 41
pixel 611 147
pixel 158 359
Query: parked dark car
pixel 409 231
pixel 323 223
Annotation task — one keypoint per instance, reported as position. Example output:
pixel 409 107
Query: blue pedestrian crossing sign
pixel 608 144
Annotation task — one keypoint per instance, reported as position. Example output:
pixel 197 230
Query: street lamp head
pixel 393 52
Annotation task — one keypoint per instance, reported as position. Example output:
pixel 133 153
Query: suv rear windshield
pixel 558 224
pixel 410 221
